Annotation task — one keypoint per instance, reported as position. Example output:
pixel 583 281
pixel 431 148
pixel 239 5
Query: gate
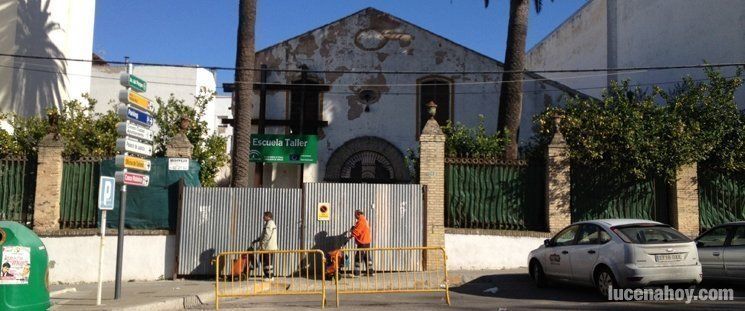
pixel 217 220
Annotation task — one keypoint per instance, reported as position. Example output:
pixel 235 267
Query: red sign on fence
pixel 133 179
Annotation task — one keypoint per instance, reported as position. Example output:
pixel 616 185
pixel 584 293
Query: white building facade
pixel 643 33
pixel 366 122
pixel 51 30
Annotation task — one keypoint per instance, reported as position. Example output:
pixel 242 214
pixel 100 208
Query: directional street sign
pixel 134 163
pixel 132 145
pixel 130 80
pixel 131 97
pixel 130 129
pixel 106 191
pixel 132 179
pixel 136 115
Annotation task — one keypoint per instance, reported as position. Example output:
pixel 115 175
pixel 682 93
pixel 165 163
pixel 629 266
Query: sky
pixel 203 32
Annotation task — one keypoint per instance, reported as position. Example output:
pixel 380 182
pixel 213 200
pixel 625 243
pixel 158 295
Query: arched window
pixel 438 90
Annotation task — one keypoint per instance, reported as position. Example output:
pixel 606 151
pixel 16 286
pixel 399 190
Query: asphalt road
pixel 505 290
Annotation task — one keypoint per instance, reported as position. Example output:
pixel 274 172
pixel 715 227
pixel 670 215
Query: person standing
pixel 268 242
pixel 363 238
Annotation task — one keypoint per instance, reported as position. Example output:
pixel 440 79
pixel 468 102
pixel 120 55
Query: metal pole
pixel 259 166
pixel 100 257
pixel 120 233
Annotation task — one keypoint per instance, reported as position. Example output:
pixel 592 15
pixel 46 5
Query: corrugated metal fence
pixel 215 220
pixel 79 195
pixel 494 194
pixel 17 184
pixel 395 214
pixel 721 197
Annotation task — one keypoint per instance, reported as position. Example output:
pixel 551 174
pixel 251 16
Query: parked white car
pixel 617 252
pixel 721 251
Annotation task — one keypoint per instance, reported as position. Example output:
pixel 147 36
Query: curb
pixel 62 291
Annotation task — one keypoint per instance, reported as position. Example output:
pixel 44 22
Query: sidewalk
pixel 174 295
pixel 157 295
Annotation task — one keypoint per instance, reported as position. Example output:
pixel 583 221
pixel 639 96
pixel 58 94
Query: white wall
pixel 649 33
pixel 45 28
pixel 394 116
pixel 183 83
pixel 482 252
pixel 75 259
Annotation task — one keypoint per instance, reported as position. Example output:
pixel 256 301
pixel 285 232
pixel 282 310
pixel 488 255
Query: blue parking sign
pixel 106 191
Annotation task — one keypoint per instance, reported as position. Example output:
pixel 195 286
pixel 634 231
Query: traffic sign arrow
pixel 127 144
pixel 130 80
pixel 130 129
pixel 131 97
pixel 131 162
pixel 132 179
pixel 136 115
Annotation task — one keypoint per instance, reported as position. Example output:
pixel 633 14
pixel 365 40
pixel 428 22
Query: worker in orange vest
pixel 363 238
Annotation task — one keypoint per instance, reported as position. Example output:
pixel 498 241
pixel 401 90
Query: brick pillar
pixel 558 182
pixel 179 147
pixel 684 214
pixel 432 174
pixel 48 184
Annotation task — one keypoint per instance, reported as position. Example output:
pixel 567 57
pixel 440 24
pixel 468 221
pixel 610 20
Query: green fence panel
pixel 17 184
pixel 154 206
pixel 79 197
pixel 598 194
pixel 486 195
pixel 721 197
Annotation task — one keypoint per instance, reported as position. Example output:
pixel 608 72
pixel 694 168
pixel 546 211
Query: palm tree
pixel 243 109
pixel 511 95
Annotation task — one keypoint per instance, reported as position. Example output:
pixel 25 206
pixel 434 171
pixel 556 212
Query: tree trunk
pixel 511 95
pixel 243 109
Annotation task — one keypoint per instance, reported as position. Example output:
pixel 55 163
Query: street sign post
pixel 132 145
pixel 134 137
pixel 131 129
pixel 131 97
pixel 130 162
pixel 132 81
pixel 106 195
pixel 132 179
pixel 135 115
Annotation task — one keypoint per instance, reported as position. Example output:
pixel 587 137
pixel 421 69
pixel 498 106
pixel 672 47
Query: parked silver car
pixel 721 251
pixel 618 253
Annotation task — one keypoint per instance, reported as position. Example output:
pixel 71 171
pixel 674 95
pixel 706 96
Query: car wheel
pixel 604 280
pixel 538 276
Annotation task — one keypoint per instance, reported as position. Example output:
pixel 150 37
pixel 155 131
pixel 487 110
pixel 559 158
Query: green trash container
pixel 24 275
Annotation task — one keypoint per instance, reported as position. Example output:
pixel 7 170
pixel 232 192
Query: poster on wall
pixel 16 265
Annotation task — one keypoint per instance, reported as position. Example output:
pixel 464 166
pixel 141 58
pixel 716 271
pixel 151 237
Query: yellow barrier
pixel 265 273
pixel 390 270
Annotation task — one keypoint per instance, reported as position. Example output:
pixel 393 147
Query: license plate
pixel 668 257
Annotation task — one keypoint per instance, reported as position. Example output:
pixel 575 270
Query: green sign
pixel 130 80
pixel 137 84
pixel 284 148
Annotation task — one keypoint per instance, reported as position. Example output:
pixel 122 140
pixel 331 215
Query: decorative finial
pixel 185 124
pixel 431 109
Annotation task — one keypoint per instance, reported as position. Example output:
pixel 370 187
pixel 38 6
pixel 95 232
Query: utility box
pixel 25 275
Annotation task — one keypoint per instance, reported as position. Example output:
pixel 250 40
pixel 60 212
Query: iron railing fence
pixel 483 193
pixel 17 189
